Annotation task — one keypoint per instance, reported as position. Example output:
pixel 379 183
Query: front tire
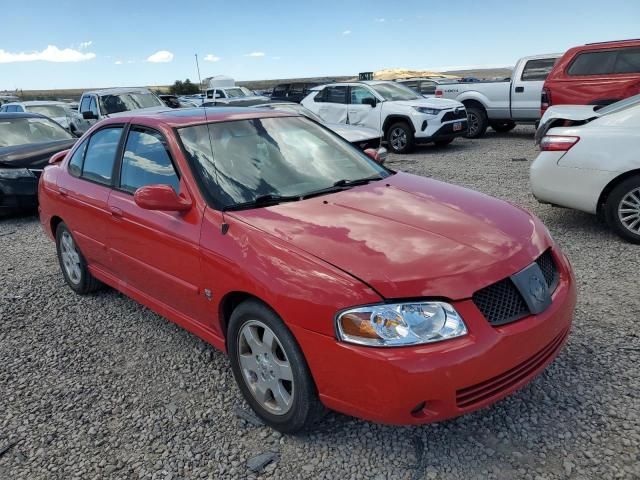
pixel 73 264
pixel 504 126
pixel 622 209
pixel 477 121
pixel 400 138
pixel 271 370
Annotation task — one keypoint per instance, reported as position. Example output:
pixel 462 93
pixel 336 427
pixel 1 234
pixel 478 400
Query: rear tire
pixel 622 209
pixel 271 370
pixel 477 121
pixel 73 264
pixel 400 138
pixel 503 126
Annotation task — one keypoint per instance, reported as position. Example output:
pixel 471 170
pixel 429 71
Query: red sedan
pixel 330 280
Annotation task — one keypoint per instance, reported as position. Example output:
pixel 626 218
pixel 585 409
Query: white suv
pixel 397 112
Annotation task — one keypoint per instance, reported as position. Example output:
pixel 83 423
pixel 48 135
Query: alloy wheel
pixel 70 258
pixel 629 211
pixel 473 123
pixel 398 139
pixel 265 367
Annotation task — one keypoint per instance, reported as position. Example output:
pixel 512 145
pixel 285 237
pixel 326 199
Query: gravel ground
pixel 100 387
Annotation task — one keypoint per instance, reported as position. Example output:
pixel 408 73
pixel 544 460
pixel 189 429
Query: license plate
pixel 457 126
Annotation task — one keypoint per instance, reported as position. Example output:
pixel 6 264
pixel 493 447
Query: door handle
pixel 115 211
pixel 63 191
pixel 519 89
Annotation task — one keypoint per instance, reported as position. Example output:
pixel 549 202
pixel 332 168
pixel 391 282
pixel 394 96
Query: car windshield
pixel 25 131
pixel 124 102
pixel 240 161
pixel 621 105
pixel 51 111
pixel 247 92
pixel 392 92
pixel 235 92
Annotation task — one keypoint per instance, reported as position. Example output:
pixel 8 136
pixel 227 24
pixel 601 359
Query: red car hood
pixel 410 236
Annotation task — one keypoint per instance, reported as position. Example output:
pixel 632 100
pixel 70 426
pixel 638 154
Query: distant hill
pixel 75 93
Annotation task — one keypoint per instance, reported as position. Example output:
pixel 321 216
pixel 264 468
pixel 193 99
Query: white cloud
pixel 347 32
pixel 212 58
pixel 161 56
pixel 49 54
pixel 380 20
pixel 255 54
pixel 118 62
pixel 86 44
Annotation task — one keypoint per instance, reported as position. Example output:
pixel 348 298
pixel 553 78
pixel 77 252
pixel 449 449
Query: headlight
pixel 13 173
pixel 427 110
pixel 400 324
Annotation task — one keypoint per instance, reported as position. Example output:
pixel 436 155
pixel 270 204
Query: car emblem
pixel 537 288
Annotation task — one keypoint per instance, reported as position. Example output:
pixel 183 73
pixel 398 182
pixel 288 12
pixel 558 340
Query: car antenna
pixel 224 228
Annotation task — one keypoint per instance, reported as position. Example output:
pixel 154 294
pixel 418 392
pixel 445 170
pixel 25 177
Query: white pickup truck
pixel 502 104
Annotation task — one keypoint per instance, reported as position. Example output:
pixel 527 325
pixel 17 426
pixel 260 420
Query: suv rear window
pixel 621 60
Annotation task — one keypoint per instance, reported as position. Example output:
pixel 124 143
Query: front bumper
pixel 18 194
pixel 445 132
pixel 428 383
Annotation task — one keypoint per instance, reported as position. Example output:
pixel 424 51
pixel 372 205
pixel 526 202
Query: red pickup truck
pixel 594 74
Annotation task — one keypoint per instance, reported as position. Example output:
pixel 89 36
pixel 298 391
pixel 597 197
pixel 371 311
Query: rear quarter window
pixel 537 70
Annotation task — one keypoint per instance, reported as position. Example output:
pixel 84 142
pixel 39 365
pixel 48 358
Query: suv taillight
pixel 557 143
pixel 438 93
pixel 545 100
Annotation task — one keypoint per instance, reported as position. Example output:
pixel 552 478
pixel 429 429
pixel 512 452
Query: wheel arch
pixel 606 191
pixel 391 119
pixel 53 224
pixel 472 102
pixel 228 304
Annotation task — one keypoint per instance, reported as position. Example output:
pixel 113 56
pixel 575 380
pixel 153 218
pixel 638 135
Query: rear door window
pixel 101 155
pixel 146 161
pixel 337 94
pixel 537 70
pixel 628 61
pixel 593 63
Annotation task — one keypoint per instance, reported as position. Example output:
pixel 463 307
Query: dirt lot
pixel 100 387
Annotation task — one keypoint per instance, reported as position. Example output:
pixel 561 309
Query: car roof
pixel 28 103
pixel 116 91
pixel 12 115
pixel 183 117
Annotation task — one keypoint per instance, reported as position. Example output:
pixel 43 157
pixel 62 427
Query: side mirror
pixel 369 101
pixel 160 197
pixel 378 156
pixel 89 115
pixel 58 157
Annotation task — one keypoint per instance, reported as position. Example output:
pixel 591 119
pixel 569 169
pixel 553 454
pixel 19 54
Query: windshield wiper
pixel 359 181
pixel 263 201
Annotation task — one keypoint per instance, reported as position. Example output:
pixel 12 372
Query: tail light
pixel 557 143
pixel 438 93
pixel 545 100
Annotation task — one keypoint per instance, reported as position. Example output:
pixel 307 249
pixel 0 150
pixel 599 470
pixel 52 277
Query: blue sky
pixel 101 44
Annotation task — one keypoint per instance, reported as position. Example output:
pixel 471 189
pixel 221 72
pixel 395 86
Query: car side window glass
pixel 320 96
pixel 147 161
pixel 337 94
pixel 537 70
pixel 593 63
pixel 84 105
pixel 628 61
pixel 358 94
pixel 93 107
pixel 428 88
pixel 75 163
pixel 101 155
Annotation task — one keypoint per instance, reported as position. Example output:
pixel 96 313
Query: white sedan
pixel 590 161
